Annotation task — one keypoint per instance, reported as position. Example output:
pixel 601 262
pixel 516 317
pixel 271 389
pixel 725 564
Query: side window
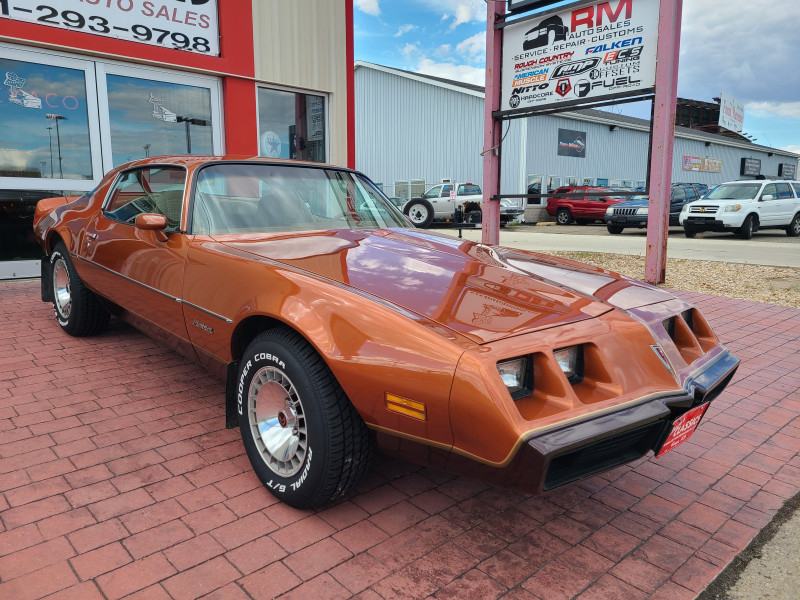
pixel 691 194
pixel 770 190
pixel 446 189
pixel 796 187
pixel 156 190
pixel 678 195
pixel 469 190
pixel 433 192
pixel 784 191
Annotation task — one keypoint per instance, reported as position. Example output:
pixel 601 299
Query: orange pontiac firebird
pixel 336 324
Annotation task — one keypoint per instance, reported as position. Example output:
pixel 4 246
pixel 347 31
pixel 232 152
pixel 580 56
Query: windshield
pixel 734 191
pixel 248 198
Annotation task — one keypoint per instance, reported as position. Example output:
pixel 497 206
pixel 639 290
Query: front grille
pixel 603 455
pixel 709 210
pixel 625 212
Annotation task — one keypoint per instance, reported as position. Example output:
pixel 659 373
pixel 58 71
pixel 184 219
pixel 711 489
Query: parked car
pixel 336 325
pixel 398 202
pixel 744 207
pixel 439 205
pixel 633 212
pixel 581 204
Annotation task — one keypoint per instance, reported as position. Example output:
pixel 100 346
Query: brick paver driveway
pixel 118 479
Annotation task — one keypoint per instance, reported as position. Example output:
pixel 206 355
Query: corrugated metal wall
pixel 407 129
pixel 290 37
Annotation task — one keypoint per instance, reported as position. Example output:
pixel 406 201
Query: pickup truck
pixel 439 204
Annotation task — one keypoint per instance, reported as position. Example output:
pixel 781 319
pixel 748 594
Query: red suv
pixel 575 204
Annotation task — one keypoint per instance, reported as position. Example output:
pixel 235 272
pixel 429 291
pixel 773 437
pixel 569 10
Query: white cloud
pixel 790 110
pixel 409 51
pixel 742 47
pixel 442 51
pixel 795 149
pixel 462 11
pixel 473 47
pixel 404 29
pixel 463 73
pixel 368 6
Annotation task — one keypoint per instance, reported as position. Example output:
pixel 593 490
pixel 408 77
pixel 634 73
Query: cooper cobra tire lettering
pixel 305 441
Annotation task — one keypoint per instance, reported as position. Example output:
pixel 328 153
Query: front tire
pixel 614 229
pixel 305 441
pixel 420 212
pixel 689 233
pixel 77 309
pixel 563 216
pixel 793 230
pixel 748 228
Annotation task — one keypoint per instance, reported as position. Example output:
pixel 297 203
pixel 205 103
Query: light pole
pixel 50 133
pixel 146 150
pixel 193 121
pixel 57 118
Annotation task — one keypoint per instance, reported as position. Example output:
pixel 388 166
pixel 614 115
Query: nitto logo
pixel 563 87
pixel 575 68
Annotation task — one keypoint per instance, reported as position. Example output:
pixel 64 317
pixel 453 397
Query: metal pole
pixel 668 53
pixel 50 133
pixel 491 126
pixel 188 138
pixel 58 138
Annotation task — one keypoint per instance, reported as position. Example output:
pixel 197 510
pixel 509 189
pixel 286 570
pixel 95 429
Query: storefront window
pixel 291 125
pixel 17 241
pixel 151 118
pixel 44 122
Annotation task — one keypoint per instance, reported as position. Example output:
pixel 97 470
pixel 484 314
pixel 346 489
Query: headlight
pixel 610 210
pixel 641 211
pixel 685 208
pixel 570 360
pixel 733 208
pixel 516 374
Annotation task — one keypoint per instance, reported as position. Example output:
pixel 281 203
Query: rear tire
pixel 474 216
pixel 563 216
pixel 614 229
pixel 793 230
pixel 420 212
pixel 78 310
pixel 305 440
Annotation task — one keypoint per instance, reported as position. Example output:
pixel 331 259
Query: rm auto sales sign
pixel 596 50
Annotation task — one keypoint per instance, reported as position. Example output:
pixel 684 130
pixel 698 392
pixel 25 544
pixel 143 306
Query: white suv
pixel 744 207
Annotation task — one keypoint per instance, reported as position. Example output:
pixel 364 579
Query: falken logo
pixel 637 41
pixel 575 68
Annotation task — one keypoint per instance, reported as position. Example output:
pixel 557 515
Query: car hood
pixel 632 203
pixel 484 292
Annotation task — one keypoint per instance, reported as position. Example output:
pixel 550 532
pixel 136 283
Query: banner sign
pixel 174 24
pixel 787 170
pixel 751 167
pixel 597 50
pixel 696 163
pixel 571 143
pixel 731 113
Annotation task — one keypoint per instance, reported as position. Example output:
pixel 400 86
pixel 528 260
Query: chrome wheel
pixel 61 288
pixel 277 421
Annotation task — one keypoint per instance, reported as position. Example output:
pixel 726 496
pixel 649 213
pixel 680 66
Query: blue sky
pixel 751 50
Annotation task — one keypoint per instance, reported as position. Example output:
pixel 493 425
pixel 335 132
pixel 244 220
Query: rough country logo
pixel 563 87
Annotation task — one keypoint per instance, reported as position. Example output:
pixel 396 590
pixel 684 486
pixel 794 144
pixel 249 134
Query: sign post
pixel 490 226
pixel 669 43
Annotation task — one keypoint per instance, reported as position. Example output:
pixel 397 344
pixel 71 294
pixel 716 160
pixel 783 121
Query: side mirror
pixel 767 197
pixel 153 222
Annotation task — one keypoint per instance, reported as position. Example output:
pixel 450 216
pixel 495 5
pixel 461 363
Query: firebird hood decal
pixel 487 293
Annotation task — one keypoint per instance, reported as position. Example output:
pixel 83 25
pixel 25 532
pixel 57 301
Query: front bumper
pixel 626 221
pixel 716 223
pixel 565 454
